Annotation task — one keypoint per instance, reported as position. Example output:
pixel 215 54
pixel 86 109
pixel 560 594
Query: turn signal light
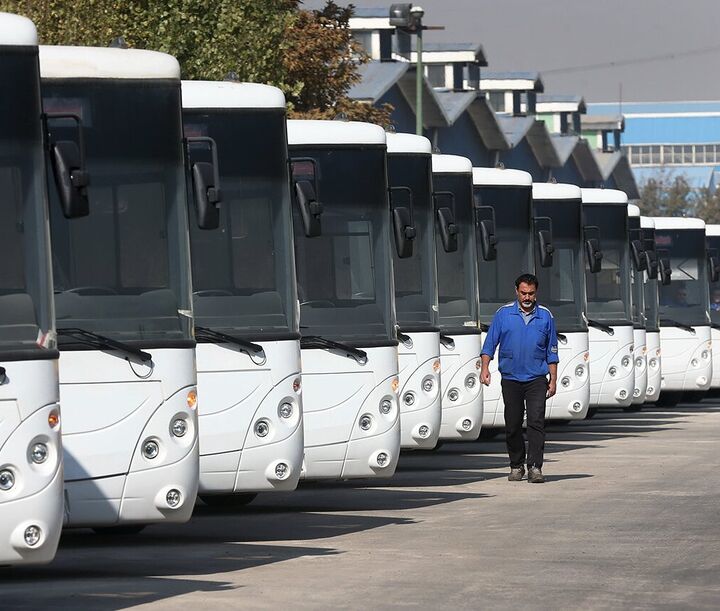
pixel 53 419
pixel 395 384
pixel 192 399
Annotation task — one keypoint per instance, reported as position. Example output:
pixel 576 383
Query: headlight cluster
pixel 565 382
pixel 366 422
pixel 612 371
pixel 409 398
pixel 625 362
pixel 579 371
pixel 385 406
pixel 428 384
pixel 453 394
pixel 7 479
pixel 39 453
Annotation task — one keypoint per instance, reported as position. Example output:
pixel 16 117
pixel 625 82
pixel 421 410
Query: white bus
pixel 462 393
pixel 343 260
pixel 685 335
pixel 503 198
pixel 560 269
pixel 653 277
pixel 639 267
pixel 244 293
pixel 609 298
pixel 416 293
pixel 31 500
pixel 712 233
pixel 122 286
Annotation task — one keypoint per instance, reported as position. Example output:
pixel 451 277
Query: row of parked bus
pixel 224 301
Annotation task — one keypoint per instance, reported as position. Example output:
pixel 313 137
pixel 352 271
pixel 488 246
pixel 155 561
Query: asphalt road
pixel 627 519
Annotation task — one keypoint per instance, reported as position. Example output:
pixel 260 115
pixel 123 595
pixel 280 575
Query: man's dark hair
pixel 527 279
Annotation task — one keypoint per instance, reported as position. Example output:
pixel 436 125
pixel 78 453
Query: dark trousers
pixel 519 397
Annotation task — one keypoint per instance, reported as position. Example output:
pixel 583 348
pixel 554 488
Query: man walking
pixel 525 332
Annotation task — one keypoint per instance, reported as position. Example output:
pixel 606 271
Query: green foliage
pixel 671 194
pixel 310 55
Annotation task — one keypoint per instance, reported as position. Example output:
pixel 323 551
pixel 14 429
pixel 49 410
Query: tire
pixel 591 412
pixel 228 500
pixel 669 399
pixel 114 531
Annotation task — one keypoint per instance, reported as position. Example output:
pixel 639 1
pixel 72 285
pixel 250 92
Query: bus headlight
pixel 638 362
pixel 565 382
pixel 281 470
pixel 262 428
pixel 385 406
pixel 32 535
pixel 653 363
pixel 365 422
pixel 179 427
pixel 694 362
pixel 424 431
pixel 150 449
pixel 381 459
pixel 173 498
pixel 612 371
pixel 285 410
pixel 7 479
pixel 471 381
pixel 579 371
pixel 39 453
pixel 625 361
pixel 428 384
pixel 466 424
pixel 408 398
pixel 705 354
pixel 453 394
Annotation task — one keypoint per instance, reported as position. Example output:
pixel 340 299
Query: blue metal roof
pixel 376 78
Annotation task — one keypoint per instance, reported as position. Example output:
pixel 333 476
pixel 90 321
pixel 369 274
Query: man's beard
pixel 527 304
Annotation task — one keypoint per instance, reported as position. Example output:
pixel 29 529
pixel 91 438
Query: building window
pixel 436 75
pixel 497 100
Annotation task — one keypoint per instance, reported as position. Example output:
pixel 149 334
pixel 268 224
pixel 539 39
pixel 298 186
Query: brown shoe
pixel 516 474
pixel 535 476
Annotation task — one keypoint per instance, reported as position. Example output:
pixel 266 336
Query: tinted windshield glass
pixel 637 278
pixel 415 281
pixel 513 212
pixel 608 291
pixel 457 271
pixel 26 320
pixel 685 299
pixel 713 242
pixel 562 285
pixel 123 271
pixel 243 272
pixel 344 276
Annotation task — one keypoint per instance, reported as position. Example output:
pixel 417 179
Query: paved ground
pixel 628 518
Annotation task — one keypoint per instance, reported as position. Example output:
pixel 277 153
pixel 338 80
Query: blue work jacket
pixel 525 349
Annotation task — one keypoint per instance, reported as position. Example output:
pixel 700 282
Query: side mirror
pixel 488 238
pixel 448 229
pixel 651 264
pixel 310 209
pixel 544 241
pixel 404 232
pixel 68 163
pixel 594 255
pixel 637 252
pixel 206 185
pixel 664 268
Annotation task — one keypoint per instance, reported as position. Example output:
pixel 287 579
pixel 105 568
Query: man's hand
pixel 485 369
pixel 552 387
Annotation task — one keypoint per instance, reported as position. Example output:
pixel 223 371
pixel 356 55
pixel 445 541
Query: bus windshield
pixel 650 297
pixel 344 275
pixel 26 317
pixel 123 271
pixel 609 290
pixel 243 272
pixel 713 242
pixel 415 276
pixel 637 279
pixel 685 299
pixel 457 271
pixel 513 214
pixel 562 287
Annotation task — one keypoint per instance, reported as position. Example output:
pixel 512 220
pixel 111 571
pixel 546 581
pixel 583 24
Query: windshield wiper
pixel 252 350
pixel 404 337
pixel 104 343
pixel 679 325
pixel 447 341
pixel 315 341
pixel 598 325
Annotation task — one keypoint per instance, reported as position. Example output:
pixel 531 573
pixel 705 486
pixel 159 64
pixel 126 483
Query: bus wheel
pixel 114 531
pixel 228 500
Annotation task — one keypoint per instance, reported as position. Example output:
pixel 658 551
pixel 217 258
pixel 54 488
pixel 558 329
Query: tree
pixel 671 194
pixel 310 55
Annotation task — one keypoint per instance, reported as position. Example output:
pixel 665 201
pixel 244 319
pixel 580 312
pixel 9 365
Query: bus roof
pixel 646 222
pixel 451 164
pixel 548 190
pixel 633 210
pixel 315 132
pixel 16 30
pixel 408 143
pixel 713 230
pixel 604 196
pixel 678 222
pixel 501 177
pixel 227 94
pixel 106 63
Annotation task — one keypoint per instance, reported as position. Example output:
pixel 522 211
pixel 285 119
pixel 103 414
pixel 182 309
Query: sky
pixel 604 50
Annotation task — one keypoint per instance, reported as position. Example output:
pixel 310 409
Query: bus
pixel 244 292
pixel 560 269
pixel 712 233
pixel 685 331
pixel 503 203
pixel 653 277
pixel 343 258
pixel 121 275
pixel 639 266
pixel 462 393
pixel 609 298
pixel 416 293
pixel 31 493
